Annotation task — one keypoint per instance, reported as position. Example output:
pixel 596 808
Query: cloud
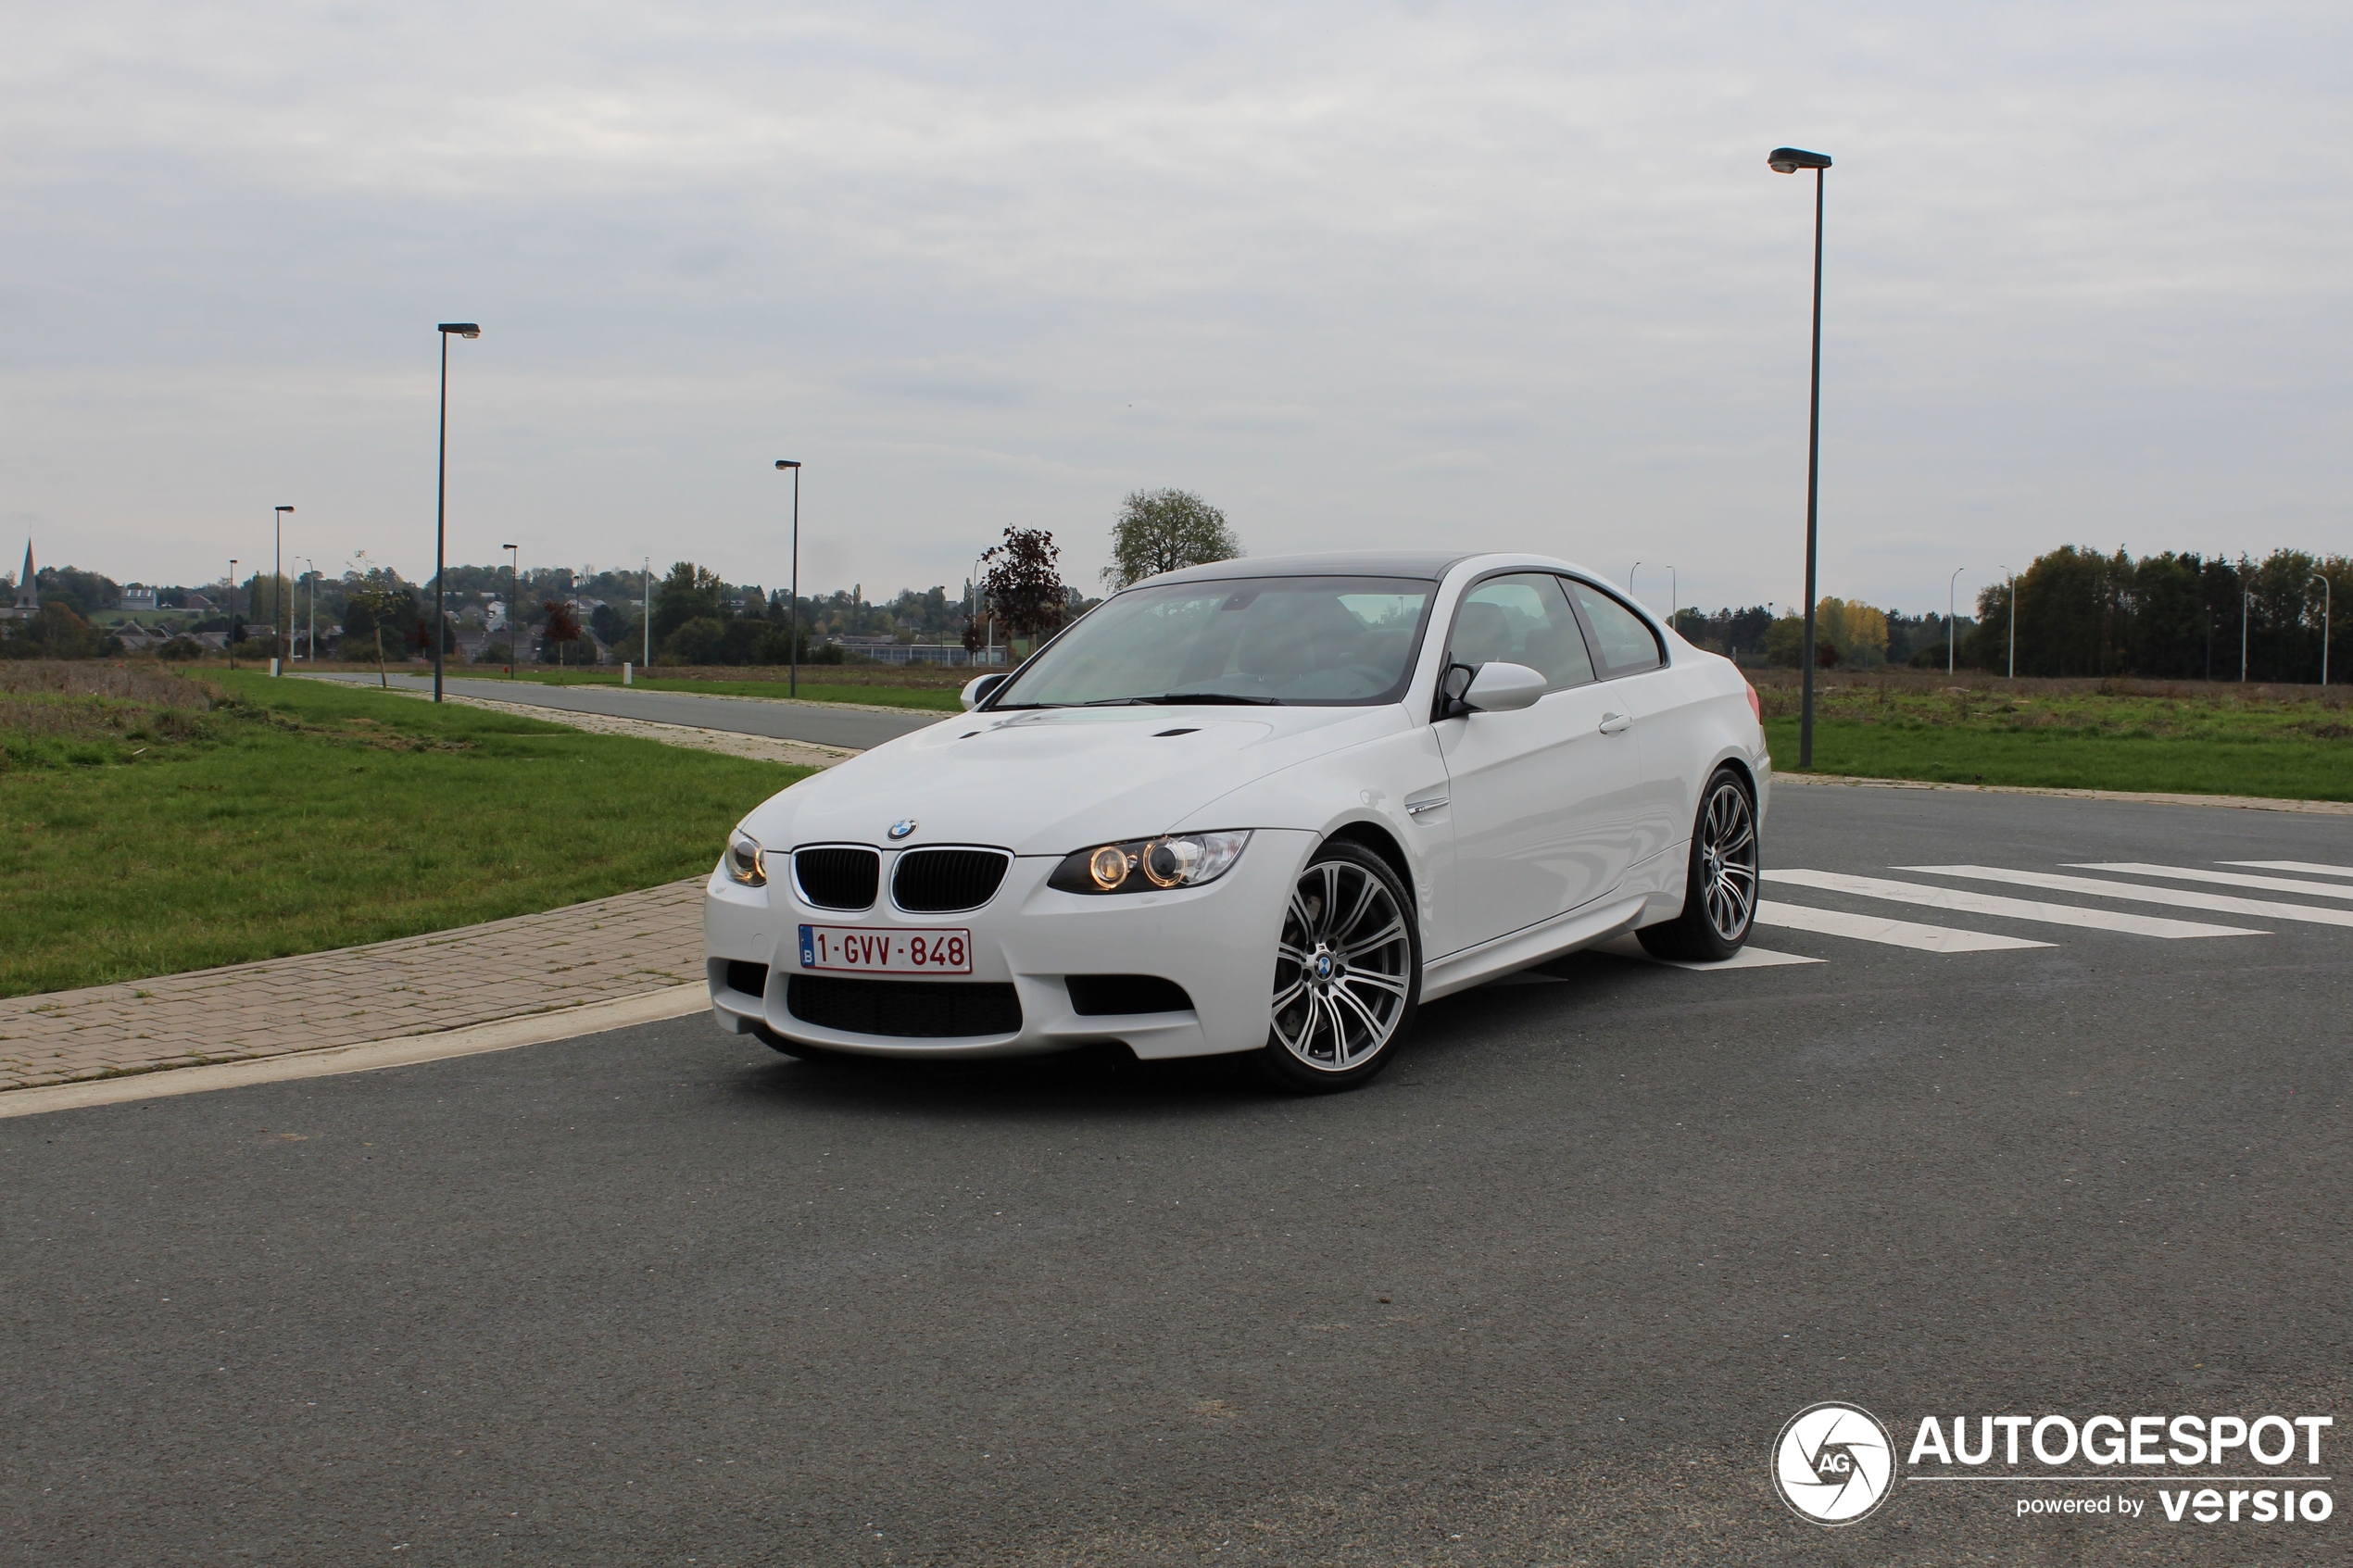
pixel 1487 273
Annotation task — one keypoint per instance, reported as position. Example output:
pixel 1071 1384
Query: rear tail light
pixel 1756 703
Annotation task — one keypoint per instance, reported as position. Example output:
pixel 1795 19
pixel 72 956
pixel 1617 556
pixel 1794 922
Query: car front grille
pixel 934 881
pixel 839 877
pixel 905 1010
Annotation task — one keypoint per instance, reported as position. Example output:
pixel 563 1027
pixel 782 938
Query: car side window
pixel 1524 620
pixel 1623 639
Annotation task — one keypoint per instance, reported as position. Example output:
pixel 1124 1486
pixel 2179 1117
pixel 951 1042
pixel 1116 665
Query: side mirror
pixel 976 690
pixel 1504 688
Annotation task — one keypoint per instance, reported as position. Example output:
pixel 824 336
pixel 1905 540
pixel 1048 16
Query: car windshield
pixel 1306 641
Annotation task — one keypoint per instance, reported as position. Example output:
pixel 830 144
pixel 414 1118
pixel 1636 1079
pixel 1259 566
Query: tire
pixel 1719 885
pixel 1348 973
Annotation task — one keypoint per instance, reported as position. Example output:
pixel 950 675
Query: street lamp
pixel 646 587
pixel 2326 596
pixel 277 637
pixel 2012 576
pixel 310 640
pixel 1789 160
pixel 794 464
pixel 1630 577
pixel 441 496
pixel 514 602
pixel 228 637
pixel 2246 612
pixel 1950 584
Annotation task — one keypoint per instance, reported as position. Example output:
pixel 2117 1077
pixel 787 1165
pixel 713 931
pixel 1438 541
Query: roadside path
pixel 598 952
pixel 830 724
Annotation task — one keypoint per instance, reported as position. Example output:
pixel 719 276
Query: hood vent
pixel 838 876
pixel 938 882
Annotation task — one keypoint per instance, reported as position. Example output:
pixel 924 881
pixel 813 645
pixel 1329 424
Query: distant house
pixel 198 602
pixel 137 599
pixel 141 639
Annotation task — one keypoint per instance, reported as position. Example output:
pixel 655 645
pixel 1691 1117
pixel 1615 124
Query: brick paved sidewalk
pixel 592 952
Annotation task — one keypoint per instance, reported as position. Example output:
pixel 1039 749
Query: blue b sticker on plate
pixel 808 949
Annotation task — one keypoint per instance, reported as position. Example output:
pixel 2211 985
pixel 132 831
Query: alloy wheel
pixel 1343 971
pixel 1728 860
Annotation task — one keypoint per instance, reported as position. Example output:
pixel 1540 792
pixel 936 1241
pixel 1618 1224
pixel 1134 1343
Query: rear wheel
pixel 1348 972
pixel 1719 886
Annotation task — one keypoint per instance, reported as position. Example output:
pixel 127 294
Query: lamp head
pixel 787 462
pixel 1789 160
pixel 285 508
pixel 463 329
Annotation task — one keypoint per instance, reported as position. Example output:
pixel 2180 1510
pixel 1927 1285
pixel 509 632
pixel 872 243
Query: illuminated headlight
pixel 745 861
pixel 1148 865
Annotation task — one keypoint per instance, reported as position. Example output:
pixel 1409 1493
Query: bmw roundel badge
pixel 902 827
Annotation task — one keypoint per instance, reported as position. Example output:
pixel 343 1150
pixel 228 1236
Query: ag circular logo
pixel 1833 1463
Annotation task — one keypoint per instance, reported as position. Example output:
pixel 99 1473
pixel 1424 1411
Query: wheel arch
pixel 1377 837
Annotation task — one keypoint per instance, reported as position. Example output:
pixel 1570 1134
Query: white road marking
pixel 1970 902
pixel 2178 897
pixel 1630 946
pixel 2226 879
pixel 2312 867
pixel 1893 933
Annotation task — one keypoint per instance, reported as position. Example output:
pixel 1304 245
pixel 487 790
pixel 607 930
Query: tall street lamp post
pixel 310 638
pixel 793 688
pixel 1950 584
pixel 1789 160
pixel 646 611
pixel 279 636
pixel 514 602
pixel 2326 596
pixel 2246 613
pixel 2012 576
pixel 229 638
pixel 441 497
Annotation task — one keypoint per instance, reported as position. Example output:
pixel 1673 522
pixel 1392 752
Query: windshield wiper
pixel 1170 699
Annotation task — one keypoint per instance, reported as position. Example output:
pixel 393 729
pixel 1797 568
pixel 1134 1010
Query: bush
pixel 179 650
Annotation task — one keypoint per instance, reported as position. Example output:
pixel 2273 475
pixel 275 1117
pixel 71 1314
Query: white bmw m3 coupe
pixel 1266 806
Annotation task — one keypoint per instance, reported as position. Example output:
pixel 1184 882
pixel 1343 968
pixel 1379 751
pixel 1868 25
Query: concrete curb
pixel 506 1034
pixel 2233 802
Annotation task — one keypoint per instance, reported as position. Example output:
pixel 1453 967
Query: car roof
pixel 1428 565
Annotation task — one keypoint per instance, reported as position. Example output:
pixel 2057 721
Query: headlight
pixel 745 861
pixel 1147 865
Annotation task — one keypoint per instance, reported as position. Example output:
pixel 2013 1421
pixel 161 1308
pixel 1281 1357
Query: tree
pixel 688 592
pixel 562 631
pixel 1023 582
pixel 1166 531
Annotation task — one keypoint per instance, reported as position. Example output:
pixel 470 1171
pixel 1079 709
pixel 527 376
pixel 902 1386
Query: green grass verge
pixel 143 834
pixel 2177 741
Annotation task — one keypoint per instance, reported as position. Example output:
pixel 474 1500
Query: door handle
pixel 1616 723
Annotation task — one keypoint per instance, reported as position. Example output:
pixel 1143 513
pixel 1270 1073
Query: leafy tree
pixel 688 592
pixel 1160 531
pixel 1023 585
pixel 563 631
pixel 56 633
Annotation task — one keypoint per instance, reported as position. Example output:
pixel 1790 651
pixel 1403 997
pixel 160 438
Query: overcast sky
pixel 1475 275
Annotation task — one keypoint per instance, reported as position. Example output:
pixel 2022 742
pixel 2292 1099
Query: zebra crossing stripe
pixel 1891 933
pixel 2179 897
pixel 1969 902
pixel 2226 878
pixel 2313 868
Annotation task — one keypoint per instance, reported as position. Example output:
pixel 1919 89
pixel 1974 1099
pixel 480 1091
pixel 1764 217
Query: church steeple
pixel 28 596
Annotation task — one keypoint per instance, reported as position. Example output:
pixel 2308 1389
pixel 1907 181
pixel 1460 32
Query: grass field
pixel 151 823
pixel 831 685
pixel 2191 738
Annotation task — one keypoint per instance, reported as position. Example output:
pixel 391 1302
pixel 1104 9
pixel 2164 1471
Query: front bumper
pixel 1217 942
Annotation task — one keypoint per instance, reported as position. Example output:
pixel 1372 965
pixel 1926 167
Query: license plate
pixel 863 950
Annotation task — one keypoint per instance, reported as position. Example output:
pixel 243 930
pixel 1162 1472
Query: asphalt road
pixel 1542 1295
pixel 825 724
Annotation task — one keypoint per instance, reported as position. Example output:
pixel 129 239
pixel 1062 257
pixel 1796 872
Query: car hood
pixel 1048 781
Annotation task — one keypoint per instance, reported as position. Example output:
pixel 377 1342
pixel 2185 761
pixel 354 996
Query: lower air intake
pixel 904 1009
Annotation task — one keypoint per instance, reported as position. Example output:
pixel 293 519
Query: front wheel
pixel 1719 886
pixel 1348 972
